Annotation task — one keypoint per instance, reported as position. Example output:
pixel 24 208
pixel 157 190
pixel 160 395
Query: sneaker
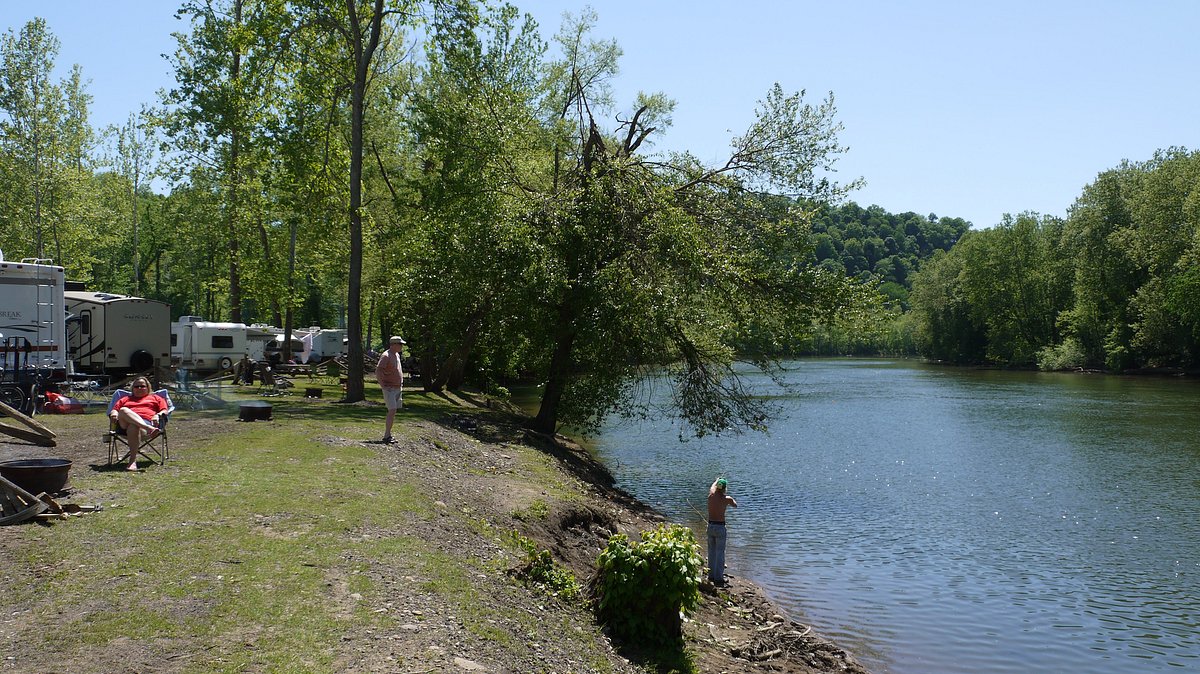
pixel 387 440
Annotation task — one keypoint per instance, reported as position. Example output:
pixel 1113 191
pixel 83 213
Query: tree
pixel 226 80
pixel 132 159
pixel 44 147
pixel 669 262
pixel 1017 281
pixel 475 138
pixel 357 27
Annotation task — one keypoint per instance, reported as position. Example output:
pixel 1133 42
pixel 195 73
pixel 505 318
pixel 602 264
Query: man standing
pixel 718 500
pixel 390 375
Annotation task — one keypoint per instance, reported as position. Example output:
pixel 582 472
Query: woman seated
pixel 138 413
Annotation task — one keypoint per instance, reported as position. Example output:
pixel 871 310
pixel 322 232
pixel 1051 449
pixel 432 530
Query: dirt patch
pixel 477 469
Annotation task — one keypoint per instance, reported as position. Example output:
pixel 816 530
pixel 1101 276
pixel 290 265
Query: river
pixel 933 519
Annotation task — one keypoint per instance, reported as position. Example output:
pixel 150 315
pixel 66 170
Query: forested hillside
pixel 872 244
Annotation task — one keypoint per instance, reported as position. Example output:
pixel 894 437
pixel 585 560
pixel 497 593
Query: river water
pixel 933 520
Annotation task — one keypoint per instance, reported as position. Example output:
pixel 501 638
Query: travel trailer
pixel 324 343
pixel 33 345
pixel 267 344
pixel 274 349
pixel 205 346
pixel 257 337
pixel 118 334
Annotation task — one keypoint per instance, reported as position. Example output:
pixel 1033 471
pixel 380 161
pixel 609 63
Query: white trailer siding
pixel 207 346
pixel 33 320
pixel 118 334
pixel 327 343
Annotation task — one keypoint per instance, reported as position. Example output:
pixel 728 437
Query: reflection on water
pixel 942 520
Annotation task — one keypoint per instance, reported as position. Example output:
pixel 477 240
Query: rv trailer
pixel 33 345
pixel 326 343
pixel 257 337
pixel 206 346
pixel 274 349
pixel 118 334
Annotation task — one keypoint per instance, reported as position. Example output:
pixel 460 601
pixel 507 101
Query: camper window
pixel 222 341
pixel 174 339
pixel 85 323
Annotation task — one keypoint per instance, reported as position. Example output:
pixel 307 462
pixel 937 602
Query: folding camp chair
pixel 273 384
pixel 158 446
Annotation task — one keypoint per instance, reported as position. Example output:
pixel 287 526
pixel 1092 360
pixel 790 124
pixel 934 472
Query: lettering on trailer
pixel 26 281
pixel 23 349
pixel 10 314
pixel 138 317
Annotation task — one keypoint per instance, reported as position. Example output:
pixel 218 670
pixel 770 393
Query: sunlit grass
pixel 243 545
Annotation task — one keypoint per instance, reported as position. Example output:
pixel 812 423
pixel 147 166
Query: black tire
pixel 141 360
pixel 226 362
pixel 13 396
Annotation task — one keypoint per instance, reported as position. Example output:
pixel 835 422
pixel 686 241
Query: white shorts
pixel 393 398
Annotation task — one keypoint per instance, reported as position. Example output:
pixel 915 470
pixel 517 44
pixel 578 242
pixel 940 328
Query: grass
pixel 244 545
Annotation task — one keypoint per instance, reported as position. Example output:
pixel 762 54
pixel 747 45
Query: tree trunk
pixel 235 139
pixel 358 93
pixel 452 373
pixel 559 372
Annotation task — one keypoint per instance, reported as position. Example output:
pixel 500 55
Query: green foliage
pixel 885 247
pixel 1066 356
pixel 539 570
pixel 538 510
pixel 1113 286
pixel 641 588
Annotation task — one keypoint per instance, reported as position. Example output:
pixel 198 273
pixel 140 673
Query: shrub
pixel 539 571
pixel 640 588
pixel 1066 356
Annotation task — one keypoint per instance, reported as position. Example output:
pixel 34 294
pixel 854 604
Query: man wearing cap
pixel 718 500
pixel 390 375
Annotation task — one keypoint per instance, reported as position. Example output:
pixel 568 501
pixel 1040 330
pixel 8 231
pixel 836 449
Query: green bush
pixel 539 571
pixel 641 588
pixel 1066 356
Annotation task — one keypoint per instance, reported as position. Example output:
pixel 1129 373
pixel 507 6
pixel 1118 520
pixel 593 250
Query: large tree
pixel 666 261
pixel 45 145
pixel 364 33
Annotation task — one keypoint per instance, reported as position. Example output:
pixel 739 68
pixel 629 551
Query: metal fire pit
pixel 256 410
pixel 37 475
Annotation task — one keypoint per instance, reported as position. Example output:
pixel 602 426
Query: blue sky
pixel 957 108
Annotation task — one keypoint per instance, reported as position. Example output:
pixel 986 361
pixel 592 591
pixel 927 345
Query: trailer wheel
pixel 226 362
pixel 141 360
pixel 14 397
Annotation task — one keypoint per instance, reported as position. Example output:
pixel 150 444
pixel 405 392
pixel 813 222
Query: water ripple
pixel 937 521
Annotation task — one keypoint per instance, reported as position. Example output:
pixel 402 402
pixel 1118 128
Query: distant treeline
pixel 871 244
pixel 1114 286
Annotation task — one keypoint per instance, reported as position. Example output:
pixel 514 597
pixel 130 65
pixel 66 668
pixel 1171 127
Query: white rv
pixel 274 349
pixel 207 346
pixel 118 334
pixel 257 337
pixel 325 343
pixel 33 344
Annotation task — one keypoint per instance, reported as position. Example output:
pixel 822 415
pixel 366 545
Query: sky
pixel 963 109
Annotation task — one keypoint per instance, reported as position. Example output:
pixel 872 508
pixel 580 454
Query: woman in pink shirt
pixel 138 413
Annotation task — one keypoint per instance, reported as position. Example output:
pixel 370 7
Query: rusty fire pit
pixel 37 475
pixel 256 410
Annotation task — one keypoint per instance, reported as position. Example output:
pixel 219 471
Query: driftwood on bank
pixel 37 433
